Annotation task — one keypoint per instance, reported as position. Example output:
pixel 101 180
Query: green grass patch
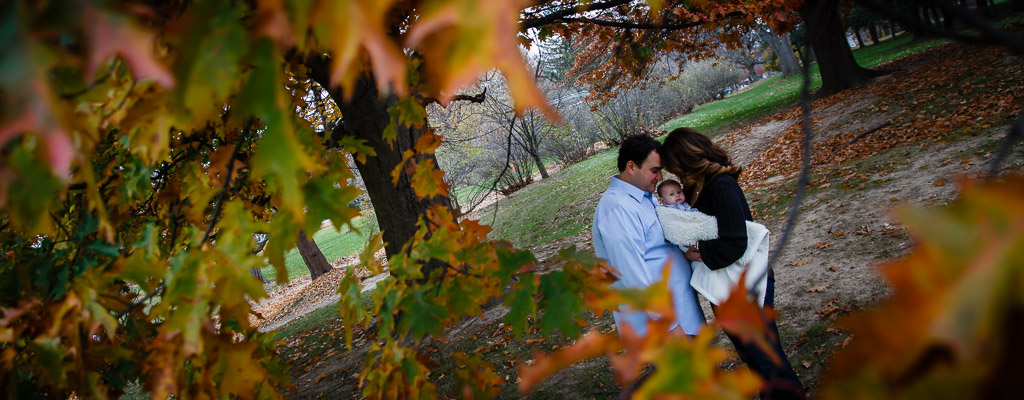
pixel 775 93
pixel 553 208
pixel 334 243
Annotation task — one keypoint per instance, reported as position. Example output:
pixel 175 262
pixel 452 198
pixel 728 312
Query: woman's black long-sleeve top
pixel 722 198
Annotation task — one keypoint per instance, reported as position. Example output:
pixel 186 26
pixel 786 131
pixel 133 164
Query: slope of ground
pixel 945 121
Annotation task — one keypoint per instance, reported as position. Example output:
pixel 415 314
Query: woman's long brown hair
pixel 692 157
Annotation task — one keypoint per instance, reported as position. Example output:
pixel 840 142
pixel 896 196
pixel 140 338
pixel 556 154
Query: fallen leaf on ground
pixel 817 289
pixel 799 263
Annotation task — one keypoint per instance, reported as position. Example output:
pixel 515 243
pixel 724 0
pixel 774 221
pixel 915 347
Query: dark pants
pixel 781 381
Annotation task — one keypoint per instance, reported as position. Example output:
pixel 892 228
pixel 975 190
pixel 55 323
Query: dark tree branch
pixel 867 132
pixel 475 98
pixel 150 295
pixel 556 16
pixel 224 189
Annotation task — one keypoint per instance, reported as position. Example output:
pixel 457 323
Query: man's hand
pixel 692 254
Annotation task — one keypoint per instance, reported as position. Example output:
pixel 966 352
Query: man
pixel 627 234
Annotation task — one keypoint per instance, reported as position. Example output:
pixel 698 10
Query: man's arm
pixel 623 238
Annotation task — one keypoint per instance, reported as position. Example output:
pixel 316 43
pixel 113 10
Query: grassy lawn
pixel 553 208
pixel 335 243
pixel 775 93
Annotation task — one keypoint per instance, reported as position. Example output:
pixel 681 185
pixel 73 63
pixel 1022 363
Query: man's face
pixel 646 175
pixel 671 194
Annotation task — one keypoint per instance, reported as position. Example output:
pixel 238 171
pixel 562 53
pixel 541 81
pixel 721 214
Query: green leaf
pixel 325 201
pixel 385 301
pixel 103 248
pixel 283 236
pixel 280 157
pixel 521 304
pixel 462 298
pixel 422 317
pixel 32 191
pixel 210 52
pixel 511 260
pixel 50 358
pixel 350 306
pixel 561 304
pixel 358 147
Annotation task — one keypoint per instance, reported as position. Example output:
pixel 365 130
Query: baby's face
pixel 671 194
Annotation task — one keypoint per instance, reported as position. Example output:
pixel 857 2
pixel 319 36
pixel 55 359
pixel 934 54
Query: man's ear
pixel 630 164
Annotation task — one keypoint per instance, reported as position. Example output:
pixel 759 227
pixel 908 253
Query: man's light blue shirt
pixel 628 234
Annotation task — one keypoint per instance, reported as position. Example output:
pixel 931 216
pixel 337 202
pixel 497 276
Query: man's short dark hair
pixel 636 148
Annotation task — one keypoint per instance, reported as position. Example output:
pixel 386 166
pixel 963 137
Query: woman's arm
pixel 724 200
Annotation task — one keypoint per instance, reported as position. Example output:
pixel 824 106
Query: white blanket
pixel 685 228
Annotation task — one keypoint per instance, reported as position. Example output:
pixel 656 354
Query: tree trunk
pixel 752 75
pixel 839 70
pixel 873 31
pixel 365 116
pixel 856 35
pixel 540 165
pixel 783 49
pixel 312 256
pixel 258 274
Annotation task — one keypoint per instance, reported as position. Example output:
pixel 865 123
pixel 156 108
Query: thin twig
pixel 1012 138
pixel 224 189
pixel 209 229
pixel 794 210
pixel 134 305
pixel 865 133
pixel 508 158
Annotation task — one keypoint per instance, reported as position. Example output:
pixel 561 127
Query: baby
pixel 671 194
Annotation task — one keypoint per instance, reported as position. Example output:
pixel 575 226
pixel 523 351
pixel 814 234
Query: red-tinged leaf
pixel 742 317
pixel 939 182
pixel 590 345
pixel 115 35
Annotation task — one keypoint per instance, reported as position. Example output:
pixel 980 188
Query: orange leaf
pixel 742 317
pixel 428 180
pixel 590 345
pixel 799 263
pixel 462 39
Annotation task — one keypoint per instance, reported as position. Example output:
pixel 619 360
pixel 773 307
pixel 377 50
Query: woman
pixel 711 182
